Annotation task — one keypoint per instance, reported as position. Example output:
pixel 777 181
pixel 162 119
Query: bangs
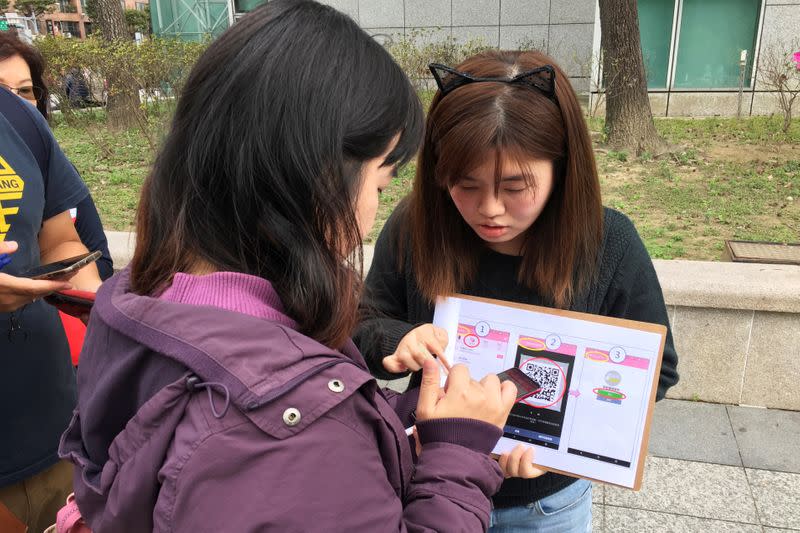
pixel 458 159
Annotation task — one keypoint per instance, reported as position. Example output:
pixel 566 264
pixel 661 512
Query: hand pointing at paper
pixel 487 400
pixel 419 345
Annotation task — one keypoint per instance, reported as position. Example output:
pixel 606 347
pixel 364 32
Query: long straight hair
pixel 261 168
pixel 484 120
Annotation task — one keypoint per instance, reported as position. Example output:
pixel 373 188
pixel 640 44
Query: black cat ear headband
pixel 543 79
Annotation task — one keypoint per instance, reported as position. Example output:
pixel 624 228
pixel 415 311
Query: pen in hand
pixel 443 362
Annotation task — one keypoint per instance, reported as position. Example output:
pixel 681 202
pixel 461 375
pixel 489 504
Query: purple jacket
pixel 198 418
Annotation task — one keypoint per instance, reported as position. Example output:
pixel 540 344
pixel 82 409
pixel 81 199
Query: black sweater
pixel 626 287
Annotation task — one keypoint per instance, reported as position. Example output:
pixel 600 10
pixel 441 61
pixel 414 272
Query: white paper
pixel 590 417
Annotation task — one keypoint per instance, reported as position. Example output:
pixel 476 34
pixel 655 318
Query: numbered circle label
pixel 482 329
pixel 553 342
pixel 617 354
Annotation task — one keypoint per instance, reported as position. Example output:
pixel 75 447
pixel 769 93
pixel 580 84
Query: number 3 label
pixel 617 354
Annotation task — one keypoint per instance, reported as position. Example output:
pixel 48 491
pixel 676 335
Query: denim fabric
pixel 567 511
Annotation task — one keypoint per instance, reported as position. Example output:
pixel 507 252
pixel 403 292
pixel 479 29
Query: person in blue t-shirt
pixel 38 186
pixel 22 72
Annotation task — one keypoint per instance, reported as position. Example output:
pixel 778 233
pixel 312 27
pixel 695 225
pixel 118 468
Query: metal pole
pixel 742 63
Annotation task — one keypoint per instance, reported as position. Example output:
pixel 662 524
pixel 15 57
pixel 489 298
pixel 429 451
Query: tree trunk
pixel 629 120
pixel 123 99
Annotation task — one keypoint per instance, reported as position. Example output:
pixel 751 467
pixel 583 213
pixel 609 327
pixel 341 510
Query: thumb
pixel 428 390
pixel 508 394
pixel 8 247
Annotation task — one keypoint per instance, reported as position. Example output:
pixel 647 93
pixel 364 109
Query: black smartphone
pixel 63 269
pixel 525 385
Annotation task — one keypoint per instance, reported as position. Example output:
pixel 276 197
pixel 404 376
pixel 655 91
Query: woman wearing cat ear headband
pixel 506 204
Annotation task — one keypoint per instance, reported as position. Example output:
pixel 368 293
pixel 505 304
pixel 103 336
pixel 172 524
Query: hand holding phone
pixel 17 291
pixel 63 269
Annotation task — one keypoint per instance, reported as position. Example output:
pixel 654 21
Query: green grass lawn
pixel 113 165
pixel 728 179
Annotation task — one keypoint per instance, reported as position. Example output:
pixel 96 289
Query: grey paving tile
pixel 598 491
pixel 489 34
pixel 572 11
pixel 598 517
pixel 622 520
pixel 697 331
pixel 571 47
pixel 702 490
pixel 770 378
pixel 693 431
pixel 428 13
pixel 476 12
pixel 381 14
pixel 768 438
pixel 528 37
pixel 524 11
pixel 778 530
pixel 777 496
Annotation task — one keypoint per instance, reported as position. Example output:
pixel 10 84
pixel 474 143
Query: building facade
pixel 708 57
pixel 693 49
pixel 69 19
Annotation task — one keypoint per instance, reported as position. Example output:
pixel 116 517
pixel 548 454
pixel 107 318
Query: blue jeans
pixel 567 511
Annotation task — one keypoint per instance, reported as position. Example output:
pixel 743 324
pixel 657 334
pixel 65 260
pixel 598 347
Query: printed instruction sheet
pixel 598 379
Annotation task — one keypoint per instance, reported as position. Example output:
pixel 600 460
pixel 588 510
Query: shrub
pixel 415 51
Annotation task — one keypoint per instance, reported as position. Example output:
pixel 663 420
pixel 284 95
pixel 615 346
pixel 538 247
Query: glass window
pixel 712 35
pixel 71 28
pixel 243 6
pixel 655 28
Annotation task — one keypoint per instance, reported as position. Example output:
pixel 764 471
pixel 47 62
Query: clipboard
pixel 599 378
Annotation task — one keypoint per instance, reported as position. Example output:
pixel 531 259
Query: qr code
pixel 548 377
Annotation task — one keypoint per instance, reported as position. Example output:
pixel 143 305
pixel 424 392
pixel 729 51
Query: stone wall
pixel 563 28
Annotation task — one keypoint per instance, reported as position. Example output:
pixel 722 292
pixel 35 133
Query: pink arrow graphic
pixel 574 392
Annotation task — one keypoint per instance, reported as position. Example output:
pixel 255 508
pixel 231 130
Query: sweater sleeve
pixel 384 306
pixel 635 294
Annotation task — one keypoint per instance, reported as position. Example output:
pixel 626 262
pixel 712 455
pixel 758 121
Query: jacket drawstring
pixel 193 383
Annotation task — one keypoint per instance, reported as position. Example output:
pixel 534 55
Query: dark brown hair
pixel 262 166
pixel 11 45
pixel 491 120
